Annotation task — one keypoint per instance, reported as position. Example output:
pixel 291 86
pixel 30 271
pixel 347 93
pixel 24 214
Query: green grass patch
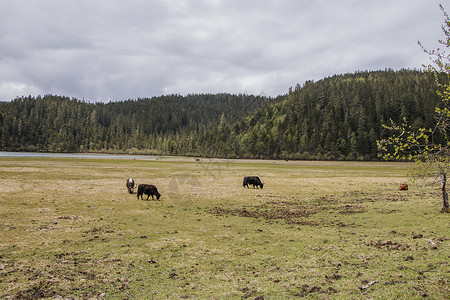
pixel 68 228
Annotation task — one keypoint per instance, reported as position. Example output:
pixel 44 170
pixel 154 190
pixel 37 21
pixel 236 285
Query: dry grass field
pixel 320 230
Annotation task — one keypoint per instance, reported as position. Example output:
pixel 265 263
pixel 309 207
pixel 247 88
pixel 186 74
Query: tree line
pixel 337 118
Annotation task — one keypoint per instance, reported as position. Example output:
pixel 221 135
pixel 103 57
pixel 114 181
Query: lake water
pixel 74 155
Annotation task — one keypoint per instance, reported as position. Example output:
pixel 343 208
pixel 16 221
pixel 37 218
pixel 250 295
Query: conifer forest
pixel 336 118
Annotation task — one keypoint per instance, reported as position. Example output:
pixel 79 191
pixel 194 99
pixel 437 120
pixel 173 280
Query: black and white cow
pixel 253 180
pixel 149 190
pixel 130 185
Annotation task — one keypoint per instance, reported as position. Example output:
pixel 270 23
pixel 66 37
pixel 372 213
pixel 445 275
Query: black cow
pixel 253 180
pixel 130 185
pixel 149 190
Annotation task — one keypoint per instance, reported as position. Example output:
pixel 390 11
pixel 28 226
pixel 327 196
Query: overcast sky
pixel 108 50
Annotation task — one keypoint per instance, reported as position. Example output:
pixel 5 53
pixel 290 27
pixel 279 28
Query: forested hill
pixel 339 117
pixel 60 124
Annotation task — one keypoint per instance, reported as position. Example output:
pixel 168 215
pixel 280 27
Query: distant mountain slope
pixel 339 117
pixel 56 123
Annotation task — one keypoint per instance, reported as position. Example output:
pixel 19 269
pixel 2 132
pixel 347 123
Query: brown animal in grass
pixel 404 187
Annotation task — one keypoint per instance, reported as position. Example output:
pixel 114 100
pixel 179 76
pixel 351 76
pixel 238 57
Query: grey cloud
pixel 114 50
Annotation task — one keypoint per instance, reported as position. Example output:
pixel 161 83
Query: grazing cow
pixel 130 185
pixel 253 180
pixel 149 190
pixel 404 187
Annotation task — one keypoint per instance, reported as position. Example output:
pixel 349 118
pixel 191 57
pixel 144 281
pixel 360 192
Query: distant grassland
pixel 68 228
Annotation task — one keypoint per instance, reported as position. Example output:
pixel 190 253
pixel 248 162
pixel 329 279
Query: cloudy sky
pixel 108 50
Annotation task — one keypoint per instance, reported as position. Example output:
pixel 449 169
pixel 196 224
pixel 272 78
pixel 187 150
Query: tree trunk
pixel 445 205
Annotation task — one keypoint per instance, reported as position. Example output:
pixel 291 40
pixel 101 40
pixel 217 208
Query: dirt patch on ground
pixel 289 211
pixel 388 245
pixel 351 209
pixel 292 211
pixel 305 290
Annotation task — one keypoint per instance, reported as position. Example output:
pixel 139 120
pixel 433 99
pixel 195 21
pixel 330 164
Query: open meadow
pixel 69 229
